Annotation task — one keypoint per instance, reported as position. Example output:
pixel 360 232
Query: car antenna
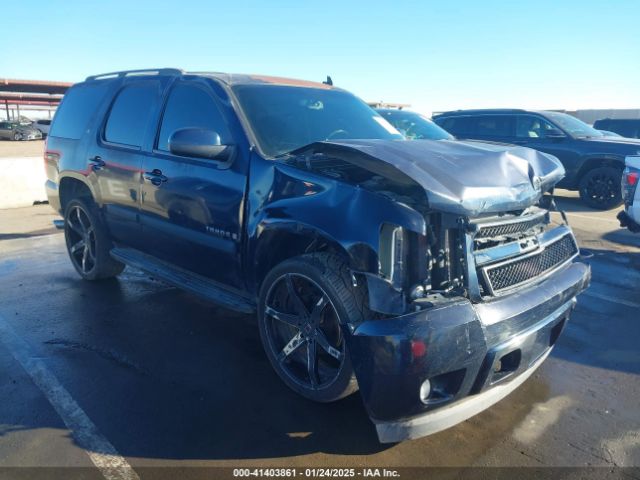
pixel 328 81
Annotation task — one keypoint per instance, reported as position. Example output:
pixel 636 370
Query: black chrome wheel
pixel 305 303
pixel 88 242
pixel 600 188
pixel 81 239
pixel 304 331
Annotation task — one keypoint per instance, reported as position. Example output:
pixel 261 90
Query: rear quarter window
pixel 602 124
pixel 76 110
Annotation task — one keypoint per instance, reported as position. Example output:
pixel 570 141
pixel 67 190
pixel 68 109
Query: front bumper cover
pixel 461 347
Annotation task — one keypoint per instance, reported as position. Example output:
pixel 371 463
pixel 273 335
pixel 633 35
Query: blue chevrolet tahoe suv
pixel 593 162
pixel 372 262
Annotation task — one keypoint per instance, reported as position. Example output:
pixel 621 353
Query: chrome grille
pixel 509 228
pixel 509 274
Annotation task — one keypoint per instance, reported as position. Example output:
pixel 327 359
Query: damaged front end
pixel 464 310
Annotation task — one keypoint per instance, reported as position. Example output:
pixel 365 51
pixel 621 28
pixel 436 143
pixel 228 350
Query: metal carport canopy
pixel 14 92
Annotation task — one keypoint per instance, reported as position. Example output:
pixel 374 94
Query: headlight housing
pixel 391 254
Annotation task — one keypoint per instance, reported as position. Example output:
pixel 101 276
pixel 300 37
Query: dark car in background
pixel 370 262
pixel 593 161
pixel 625 127
pixel 413 125
pixel 607 133
pixel 18 131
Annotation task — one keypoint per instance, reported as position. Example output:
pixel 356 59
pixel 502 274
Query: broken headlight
pixel 391 254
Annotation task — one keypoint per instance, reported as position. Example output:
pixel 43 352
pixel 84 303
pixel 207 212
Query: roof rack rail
pixel 126 73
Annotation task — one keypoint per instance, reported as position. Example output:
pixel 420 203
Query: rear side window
pixel 44 122
pixel 528 126
pixel 458 126
pixel 130 114
pixel 78 106
pixel 494 126
pixel 191 106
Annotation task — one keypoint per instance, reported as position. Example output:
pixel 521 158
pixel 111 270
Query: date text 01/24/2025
pixel 314 472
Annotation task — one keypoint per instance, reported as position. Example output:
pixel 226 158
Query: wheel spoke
pixel 293 320
pixel 80 221
pixel 298 304
pixel 91 240
pixel 290 347
pixel 312 363
pixel 77 246
pixel 74 227
pixel 85 255
pixel 326 346
pixel 318 308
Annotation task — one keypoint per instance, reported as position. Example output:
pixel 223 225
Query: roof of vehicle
pixel 394 110
pixel 487 111
pixel 227 78
pixel 618 120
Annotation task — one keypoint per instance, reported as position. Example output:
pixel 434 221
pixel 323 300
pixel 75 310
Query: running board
pixel 181 278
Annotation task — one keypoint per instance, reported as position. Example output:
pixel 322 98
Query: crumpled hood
pixel 464 177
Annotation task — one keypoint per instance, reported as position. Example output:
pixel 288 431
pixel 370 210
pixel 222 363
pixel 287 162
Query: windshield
pixel 284 118
pixel 576 128
pixel 415 126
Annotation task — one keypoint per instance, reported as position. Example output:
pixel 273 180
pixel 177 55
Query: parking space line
pixel 103 455
pixel 611 299
pixel 589 217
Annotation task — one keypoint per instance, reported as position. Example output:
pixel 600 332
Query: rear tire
pixel 304 305
pixel 88 243
pixel 600 188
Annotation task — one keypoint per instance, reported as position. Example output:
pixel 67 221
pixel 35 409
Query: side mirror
pixel 200 143
pixel 554 133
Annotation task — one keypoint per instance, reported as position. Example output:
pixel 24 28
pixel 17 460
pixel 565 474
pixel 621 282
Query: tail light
pixel 630 180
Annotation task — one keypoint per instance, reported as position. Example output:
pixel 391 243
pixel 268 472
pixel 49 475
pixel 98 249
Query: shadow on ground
pixel 603 331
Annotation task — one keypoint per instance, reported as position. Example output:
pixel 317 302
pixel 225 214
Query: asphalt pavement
pixel 165 379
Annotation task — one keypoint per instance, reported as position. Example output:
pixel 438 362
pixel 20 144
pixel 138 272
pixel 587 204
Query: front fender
pixel 307 204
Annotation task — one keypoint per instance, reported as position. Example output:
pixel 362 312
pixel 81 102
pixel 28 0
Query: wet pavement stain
pixel 110 355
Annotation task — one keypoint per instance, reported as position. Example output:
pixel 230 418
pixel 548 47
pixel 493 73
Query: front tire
pixel 88 243
pixel 16 136
pixel 600 188
pixel 303 307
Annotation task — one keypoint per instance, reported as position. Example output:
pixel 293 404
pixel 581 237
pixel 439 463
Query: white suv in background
pixel 630 216
pixel 43 126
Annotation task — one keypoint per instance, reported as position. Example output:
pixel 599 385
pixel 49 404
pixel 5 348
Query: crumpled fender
pixel 286 198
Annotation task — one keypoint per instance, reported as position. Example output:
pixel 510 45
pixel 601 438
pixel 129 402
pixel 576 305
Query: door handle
pixel 96 163
pixel 155 177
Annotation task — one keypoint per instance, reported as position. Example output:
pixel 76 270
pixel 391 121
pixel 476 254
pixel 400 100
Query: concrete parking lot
pixel 169 380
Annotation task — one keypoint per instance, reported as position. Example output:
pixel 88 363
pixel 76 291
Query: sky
pixel 434 55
